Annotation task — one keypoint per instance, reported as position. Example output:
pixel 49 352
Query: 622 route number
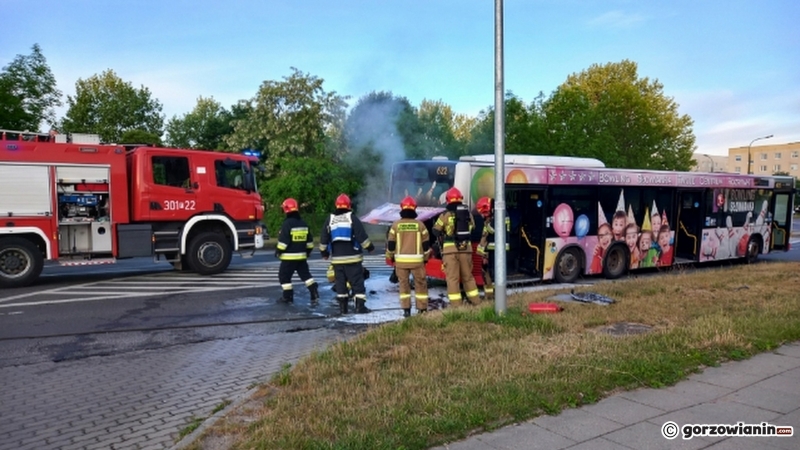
pixel 178 205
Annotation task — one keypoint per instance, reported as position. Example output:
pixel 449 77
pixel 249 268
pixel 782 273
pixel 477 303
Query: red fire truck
pixel 84 204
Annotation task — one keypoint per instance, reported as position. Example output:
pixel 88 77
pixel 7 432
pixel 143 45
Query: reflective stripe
pixel 404 296
pixel 473 293
pixel 347 259
pixel 281 245
pixel 422 296
pixel 408 258
pixel 454 297
pixel 292 256
pixel 310 281
pixel 287 287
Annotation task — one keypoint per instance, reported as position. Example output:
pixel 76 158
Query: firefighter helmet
pixel 343 202
pixel 454 195
pixel 484 206
pixel 409 203
pixel 289 205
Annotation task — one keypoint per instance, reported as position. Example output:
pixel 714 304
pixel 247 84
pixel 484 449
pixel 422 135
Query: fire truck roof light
pixel 254 153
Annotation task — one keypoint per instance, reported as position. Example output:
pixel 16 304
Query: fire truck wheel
pixel 209 253
pixel 21 262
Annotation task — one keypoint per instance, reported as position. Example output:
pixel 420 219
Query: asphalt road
pixel 127 355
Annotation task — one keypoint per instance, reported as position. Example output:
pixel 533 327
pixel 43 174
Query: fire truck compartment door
pixel 80 174
pixel 25 190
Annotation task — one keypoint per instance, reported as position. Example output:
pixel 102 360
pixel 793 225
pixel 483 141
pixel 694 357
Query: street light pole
pixel 749 160
pixel 712 162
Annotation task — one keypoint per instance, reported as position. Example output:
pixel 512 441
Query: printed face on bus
pixel 663 238
pixel 720 201
pixel 655 222
pixel 618 224
pixel 631 236
pixel 645 241
pixel 604 235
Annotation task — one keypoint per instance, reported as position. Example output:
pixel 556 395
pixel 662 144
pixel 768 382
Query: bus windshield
pixel 426 181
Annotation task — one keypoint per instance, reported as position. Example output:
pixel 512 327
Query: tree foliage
pixel 293 117
pixel 438 125
pixel 205 127
pixel 106 105
pixel 140 137
pixel 28 93
pixel 608 112
pixel 314 182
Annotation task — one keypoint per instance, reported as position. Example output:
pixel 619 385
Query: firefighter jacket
pixel 295 241
pixel 345 235
pixel 453 228
pixel 487 237
pixel 408 243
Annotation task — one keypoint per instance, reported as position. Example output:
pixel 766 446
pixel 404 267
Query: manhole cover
pixel 626 328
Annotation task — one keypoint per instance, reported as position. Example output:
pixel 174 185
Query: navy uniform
pixel 295 244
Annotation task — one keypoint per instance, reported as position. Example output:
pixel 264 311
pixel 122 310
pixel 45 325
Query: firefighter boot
pixel 406 312
pixel 313 289
pixel 361 307
pixel 342 305
pixel 288 296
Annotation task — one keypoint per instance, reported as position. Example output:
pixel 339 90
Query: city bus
pixel 572 217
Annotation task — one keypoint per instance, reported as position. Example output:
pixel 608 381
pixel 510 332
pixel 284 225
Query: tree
pixel 106 105
pixel 313 181
pixel 608 112
pixel 205 127
pixel 28 94
pixel 524 129
pixel 438 124
pixel 294 117
pixel 140 137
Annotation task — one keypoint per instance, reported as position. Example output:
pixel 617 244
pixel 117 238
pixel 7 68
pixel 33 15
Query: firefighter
pixel 453 229
pixel 347 238
pixel 408 247
pixel 295 244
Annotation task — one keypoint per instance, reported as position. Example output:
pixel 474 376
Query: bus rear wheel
pixel 568 266
pixel 209 253
pixel 21 262
pixel 615 263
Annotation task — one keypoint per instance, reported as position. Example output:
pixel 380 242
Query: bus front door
pixel 689 229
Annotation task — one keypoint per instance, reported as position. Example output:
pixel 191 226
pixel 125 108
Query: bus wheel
pixel 209 253
pixel 752 251
pixel 568 266
pixel 21 262
pixel 615 263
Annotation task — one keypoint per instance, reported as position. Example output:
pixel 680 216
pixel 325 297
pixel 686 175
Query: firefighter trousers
pixel 288 268
pixel 420 287
pixel 458 270
pixel 352 273
pixel 488 275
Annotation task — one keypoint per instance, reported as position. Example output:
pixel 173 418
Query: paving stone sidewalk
pixel 139 400
pixel 765 388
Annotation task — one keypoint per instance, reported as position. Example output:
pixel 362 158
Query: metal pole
pixel 749 160
pixel 499 165
pixel 712 162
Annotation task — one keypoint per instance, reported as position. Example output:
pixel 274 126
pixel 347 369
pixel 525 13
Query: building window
pixel 737 169
pixel 777 155
pixel 795 154
pixel 777 168
pixel 793 167
pixel 738 158
pixel 763 156
pixel 762 168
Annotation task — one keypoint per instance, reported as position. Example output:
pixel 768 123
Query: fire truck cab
pixel 82 204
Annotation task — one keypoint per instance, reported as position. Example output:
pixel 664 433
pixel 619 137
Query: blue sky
pixel 733 66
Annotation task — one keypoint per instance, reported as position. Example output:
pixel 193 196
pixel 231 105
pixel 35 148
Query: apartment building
pixel 709 163
pixel 766 159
